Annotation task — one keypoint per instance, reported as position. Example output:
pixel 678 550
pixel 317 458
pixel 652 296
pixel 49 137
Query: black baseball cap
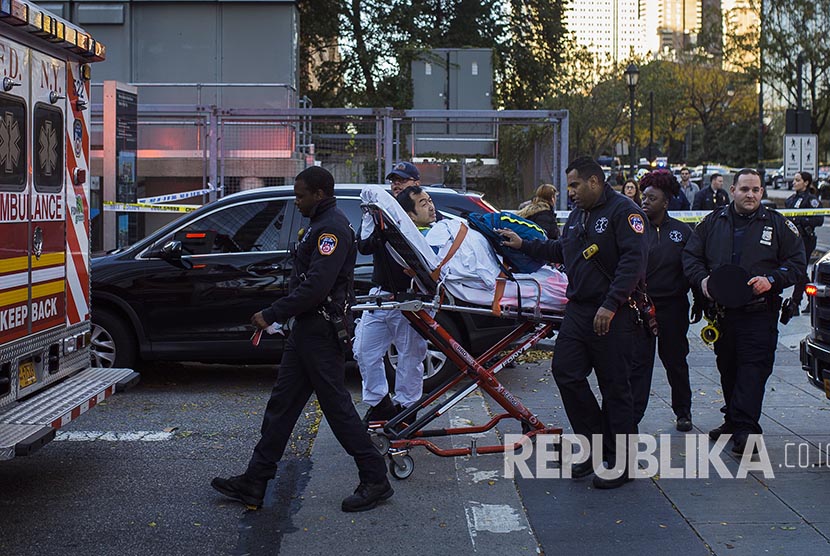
pixel 405 170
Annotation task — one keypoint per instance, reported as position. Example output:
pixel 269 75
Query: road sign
pixel 800 155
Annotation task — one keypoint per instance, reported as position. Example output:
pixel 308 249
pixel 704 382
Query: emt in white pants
pixel 375 332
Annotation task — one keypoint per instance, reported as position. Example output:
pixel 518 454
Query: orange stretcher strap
pixel 501 282
pixel 462 233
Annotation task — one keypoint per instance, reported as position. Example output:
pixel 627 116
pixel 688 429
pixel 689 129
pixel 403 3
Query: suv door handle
pixel 264 268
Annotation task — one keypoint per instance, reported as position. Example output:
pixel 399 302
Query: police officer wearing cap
pixel 604 249
pixel 377 330
pixel 320 287
pixel 768 250
pixel 803 198
pixel 669 291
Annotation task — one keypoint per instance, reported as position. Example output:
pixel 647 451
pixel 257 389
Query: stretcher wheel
pixel 381 442
pixel 401 467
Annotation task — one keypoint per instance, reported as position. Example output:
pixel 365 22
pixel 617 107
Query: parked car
pixel 775 177
pixel 150 304
pixel 815 348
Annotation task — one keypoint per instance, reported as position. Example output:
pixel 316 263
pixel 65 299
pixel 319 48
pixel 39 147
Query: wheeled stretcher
pixel 435 288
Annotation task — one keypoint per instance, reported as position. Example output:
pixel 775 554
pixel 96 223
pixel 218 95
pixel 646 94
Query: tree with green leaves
pixel 770 52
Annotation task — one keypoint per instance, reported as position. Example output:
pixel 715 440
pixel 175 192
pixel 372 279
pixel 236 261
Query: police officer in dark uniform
pixel 669 291
pixel 803 198
pixel 711 196
pixel 313 361
pixel 604 248
pixel 768 247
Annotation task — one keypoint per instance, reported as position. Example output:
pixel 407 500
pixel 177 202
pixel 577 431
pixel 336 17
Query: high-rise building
pixel 610 29
pixel 670 25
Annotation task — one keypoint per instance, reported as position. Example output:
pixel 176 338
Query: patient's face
pixel 424 214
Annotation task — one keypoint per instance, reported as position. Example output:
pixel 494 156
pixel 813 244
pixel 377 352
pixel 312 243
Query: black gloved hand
pixel 788 310
pixel 698 305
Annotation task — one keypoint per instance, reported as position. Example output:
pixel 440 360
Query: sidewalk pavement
pixel 466 506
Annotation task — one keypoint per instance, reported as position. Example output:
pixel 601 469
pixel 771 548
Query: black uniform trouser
pixel 673 348
pixel 313 362
pixel 578 349
pixel 809 246
pixel 745 354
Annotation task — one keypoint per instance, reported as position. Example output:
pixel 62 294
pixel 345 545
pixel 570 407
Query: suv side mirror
pixel 171 251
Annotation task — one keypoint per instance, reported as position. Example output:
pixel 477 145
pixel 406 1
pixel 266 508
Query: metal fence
pixel 505 154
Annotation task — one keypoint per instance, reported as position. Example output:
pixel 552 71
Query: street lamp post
pixel 650 125
pixel 632 75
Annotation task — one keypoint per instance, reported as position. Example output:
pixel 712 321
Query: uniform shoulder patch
pixel 636 222
pixel 792 227
pixel 326 244
pixel 814 203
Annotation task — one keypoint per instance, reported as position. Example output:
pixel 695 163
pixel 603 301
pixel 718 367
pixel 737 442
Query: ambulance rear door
pixel 48 217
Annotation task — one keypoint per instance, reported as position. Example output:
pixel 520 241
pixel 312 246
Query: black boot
pixel 717 432
pixel 384 410
pixel 242 488
pixel 367 495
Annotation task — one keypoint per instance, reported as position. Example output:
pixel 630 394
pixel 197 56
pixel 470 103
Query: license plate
pixel 26 374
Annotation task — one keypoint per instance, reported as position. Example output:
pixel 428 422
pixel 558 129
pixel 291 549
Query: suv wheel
pixel 113 343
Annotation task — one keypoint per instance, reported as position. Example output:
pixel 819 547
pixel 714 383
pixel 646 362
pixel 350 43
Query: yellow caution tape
pixel 111 206
pixel 692 216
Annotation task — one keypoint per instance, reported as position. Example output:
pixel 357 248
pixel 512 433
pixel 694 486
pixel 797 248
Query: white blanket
pixel 472 273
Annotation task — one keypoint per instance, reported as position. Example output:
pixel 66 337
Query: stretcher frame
pixel 396 437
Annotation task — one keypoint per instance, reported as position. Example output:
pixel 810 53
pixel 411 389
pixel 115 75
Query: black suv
pixel 149 304
pixel 815 348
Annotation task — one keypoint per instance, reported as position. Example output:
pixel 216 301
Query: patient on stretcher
pixel 472 272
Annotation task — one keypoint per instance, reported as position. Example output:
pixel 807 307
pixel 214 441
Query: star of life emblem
pixel 676 236
pixel 601 225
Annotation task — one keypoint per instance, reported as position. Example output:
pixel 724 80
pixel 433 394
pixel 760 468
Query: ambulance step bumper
pixel 30 424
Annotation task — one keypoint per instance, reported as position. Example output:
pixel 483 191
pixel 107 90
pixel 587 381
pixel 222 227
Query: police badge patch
pixel 766 235
pixel 792 227
pixel 327 244
pixel 636 223
pixel 814 203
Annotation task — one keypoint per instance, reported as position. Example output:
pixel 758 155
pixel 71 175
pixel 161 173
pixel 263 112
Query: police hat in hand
pixel 728 286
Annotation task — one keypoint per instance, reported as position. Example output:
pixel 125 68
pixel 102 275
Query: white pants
pixel 375 332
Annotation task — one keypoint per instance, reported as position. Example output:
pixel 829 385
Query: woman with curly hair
pixel 668 289
pixel 542 210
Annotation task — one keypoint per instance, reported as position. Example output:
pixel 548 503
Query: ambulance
pixel 45 376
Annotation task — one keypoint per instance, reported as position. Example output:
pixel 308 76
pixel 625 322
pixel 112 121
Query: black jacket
pixel 664 276
pixel 772 248
pixel 386 273
pixel 546 219
pixel 803 200
pixel 708 199
pixel 618 228
pixel 323 266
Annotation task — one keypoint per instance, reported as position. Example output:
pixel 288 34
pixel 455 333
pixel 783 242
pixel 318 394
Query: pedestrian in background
pixel 804 198
pixel 542 210
pixel 313 360
pixel 688 188
pixel 768 248
pixel 711 196
pixel 669 292
pixel 631 189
